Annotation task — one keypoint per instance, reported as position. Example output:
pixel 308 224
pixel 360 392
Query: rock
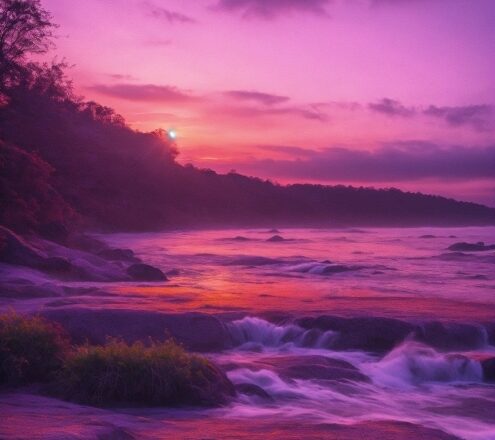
pixel 252 261
pixel 427 236
pixel 470 247
pixel 252 390
pixel 196 331
pixel 314 367
pixel 54 231
pixel 374 334
pixel 276 239
pixel 240 238
pixel 78 265
pixel 455 256
pixel 145 272
pixel 86 243
pixel 57 265
pixel 15 250
pixel 118 255
pixel 451 336
pixel 477 277
pixel 213 389
pixel 338 268
pixel 490 330
pixel 488 366
pixel 172 272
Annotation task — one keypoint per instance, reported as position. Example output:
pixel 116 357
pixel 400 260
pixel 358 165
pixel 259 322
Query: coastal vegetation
pixel 35 350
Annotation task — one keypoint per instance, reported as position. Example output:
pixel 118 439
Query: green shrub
pixel 157 374
pixel 31 348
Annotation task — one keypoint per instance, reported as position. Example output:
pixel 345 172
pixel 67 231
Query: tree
pixel 25 28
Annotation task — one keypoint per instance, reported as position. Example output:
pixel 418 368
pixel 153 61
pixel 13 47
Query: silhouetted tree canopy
pixel 25 29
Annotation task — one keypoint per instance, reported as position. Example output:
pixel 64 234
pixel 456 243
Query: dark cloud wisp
pixel 270 9
pixel 478 116
pixel 143 92
pixel 168 15
pixel 475 115
pixel 260 97
pixel 399 162
pixel 391 107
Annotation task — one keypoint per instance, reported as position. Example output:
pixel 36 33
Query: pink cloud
pixel 143 92
pixel 394 162
pixel 260 97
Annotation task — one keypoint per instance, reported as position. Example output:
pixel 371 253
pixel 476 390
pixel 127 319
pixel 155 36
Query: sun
pixel 172 134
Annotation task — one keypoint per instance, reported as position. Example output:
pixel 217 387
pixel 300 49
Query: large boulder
pixel 57 265
pixel 276 239
pixel 374 334
pixel 314 367
pixel 451 335
pixel 196 331
pixel 488 366
pixel 16 250
pixel 58 260
pixel 145 272
pixel 470 247
pixel 118 255
pixel 54 231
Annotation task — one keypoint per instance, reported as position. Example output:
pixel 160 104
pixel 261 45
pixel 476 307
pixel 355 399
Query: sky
pixel 384 93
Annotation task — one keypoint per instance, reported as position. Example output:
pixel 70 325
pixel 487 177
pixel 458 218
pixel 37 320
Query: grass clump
pixel 32 349
pixel 158 374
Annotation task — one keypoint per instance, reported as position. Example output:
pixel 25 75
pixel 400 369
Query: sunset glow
pixel 289 90
pixel 247 219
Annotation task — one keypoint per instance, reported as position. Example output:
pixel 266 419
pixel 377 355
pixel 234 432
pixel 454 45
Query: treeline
pixel 66 161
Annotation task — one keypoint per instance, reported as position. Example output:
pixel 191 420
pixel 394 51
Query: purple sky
pixel 365 92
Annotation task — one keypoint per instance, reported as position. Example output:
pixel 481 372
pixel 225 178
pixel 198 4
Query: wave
pixel 251 333
pixel 413 364
pixel 367 334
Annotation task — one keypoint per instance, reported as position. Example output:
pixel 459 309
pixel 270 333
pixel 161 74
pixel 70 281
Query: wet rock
pixel 240 238
pixel 56 259
pixel 196 331
pixel 54 231
pixel 57 265
pixel 338 268
pixel 470 247
pixel 311 337
pixel 252 390
pixel 172 272
pixel 86 243
pixel 16 250
pixel 275 239
pixel 449 256
pixel 118 255
pixel 369 334
pixel 488 366
pixel 490 330
pixel 314 367
pixel 145 272
pixel 451 336
pixel 477 277
pixel 253 261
